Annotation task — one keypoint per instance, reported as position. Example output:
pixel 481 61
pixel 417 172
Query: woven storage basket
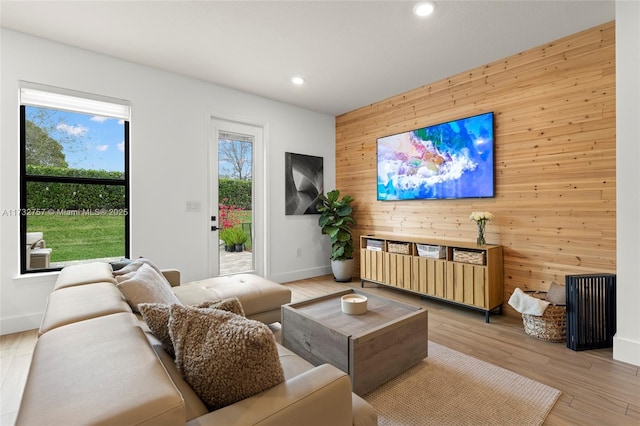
pixel 550 326
pixel 475 257
pixel 401 248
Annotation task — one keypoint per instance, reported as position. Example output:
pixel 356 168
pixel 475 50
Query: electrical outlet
pixel 298 252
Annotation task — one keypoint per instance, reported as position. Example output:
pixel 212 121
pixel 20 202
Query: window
pixel 74 186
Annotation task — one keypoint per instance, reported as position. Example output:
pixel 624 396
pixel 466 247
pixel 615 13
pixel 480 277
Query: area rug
pixel 451 388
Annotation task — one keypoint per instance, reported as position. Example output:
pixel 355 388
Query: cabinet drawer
pixel 429 276
pixel 467 283
pixel 371 265
pixel 397 270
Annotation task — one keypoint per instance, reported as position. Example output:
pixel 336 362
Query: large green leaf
pixel 336 220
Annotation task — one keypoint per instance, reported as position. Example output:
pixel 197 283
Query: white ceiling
pixel 352 53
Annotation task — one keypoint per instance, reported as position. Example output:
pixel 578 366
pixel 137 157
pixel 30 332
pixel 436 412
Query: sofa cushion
pixel 292 364
pixel 223 356
pixel 257 294
pixel 78 303
pixel 99 371
pixel 156 315
pixel 146 285
pixel 84 273
pixel 194 407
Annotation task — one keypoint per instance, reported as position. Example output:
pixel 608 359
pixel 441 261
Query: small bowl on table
pixel 354 304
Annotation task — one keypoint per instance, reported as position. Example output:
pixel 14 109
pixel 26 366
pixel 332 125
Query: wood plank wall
pixel 555 203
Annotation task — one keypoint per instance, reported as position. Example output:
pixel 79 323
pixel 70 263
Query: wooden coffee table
pixel 372 348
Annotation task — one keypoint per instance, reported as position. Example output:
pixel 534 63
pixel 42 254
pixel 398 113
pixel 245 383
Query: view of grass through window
pixel 75 186
pixel 234 191
pixel 80 237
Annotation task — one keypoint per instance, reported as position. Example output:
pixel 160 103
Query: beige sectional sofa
pixel 97 363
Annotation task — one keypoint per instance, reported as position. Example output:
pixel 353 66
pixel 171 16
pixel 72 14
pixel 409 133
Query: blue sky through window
pixel 88 141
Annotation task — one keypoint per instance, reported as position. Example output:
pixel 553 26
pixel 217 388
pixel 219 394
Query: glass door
pixel 233 203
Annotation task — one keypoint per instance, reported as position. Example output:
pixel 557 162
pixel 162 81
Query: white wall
pixel 626 345
pixel 169 166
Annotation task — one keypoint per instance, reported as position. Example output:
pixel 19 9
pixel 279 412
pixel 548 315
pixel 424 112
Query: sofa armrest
pixel 318 397
pixel 173 276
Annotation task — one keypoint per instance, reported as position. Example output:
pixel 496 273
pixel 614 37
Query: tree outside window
pixel 74 187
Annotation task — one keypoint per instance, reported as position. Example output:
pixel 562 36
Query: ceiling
pixel 351 53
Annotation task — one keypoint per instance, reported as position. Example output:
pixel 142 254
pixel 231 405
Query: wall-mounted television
pixel 448 160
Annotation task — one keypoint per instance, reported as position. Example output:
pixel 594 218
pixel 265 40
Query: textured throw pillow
pixel 146 286
pixel 156 315
pixel 232 304
pixel 556 294
pixel 224 357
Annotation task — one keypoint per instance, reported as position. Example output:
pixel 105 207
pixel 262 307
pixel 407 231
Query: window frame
pixel 24 179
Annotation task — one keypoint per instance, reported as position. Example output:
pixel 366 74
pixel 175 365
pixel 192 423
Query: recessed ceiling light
pixel 297 80
pixel 424 9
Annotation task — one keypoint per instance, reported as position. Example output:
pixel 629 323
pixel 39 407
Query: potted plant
pixel 227 237
pixel 336 221
pixel 234 238
pixel 239 238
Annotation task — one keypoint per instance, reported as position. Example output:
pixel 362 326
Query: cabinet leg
pixel 486 316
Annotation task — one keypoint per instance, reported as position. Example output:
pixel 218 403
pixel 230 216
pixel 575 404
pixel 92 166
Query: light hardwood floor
pixel 596 390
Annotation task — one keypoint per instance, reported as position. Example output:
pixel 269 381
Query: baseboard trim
pixel 21 323
pixel 626 350
pixel 300 274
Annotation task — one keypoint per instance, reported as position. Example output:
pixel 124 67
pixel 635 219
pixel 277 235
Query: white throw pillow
pixel 146 285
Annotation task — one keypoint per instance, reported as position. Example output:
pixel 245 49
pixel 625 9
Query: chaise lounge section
pixel 97 362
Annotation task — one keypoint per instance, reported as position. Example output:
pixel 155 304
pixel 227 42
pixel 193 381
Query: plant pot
pixel 228 248
pixel 239 247
pixel 343 270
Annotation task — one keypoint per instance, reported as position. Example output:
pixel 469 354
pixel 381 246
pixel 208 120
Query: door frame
pixel 259 176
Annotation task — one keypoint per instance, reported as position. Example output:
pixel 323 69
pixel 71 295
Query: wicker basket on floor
pixel 550 326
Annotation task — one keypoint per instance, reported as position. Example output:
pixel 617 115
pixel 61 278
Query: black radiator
pixel 591 311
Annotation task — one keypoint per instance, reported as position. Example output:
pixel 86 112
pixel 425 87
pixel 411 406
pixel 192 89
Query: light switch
pixel 193 206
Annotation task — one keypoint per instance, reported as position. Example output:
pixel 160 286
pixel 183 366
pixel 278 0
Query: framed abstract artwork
pixel 303 183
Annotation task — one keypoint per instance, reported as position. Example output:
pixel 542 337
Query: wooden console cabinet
pixel 455 272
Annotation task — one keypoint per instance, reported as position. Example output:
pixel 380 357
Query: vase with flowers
pixel 481 219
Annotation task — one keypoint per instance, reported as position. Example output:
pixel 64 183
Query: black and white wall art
pixel 303 182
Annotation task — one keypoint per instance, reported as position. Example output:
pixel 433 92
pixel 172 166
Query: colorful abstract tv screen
pixel 444 161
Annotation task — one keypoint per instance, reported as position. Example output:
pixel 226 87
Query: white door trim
pixel 218 122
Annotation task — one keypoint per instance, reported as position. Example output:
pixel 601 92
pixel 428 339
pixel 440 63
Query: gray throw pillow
pixel 556 294
pixel 119 264
pixel 134 265
pixel 224 357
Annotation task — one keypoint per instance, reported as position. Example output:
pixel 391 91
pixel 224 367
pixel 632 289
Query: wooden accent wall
pixel 555 159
